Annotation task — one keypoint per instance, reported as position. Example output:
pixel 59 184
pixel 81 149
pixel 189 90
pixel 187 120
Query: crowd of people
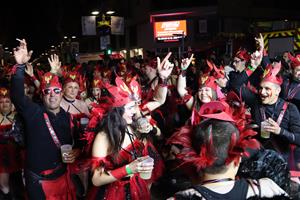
pixel 151 128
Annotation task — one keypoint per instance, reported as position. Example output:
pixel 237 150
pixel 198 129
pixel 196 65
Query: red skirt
pixel 61 188
pixel 135 189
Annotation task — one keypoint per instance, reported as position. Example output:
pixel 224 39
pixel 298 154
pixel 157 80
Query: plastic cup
pixel 65 150
pixel 263 133
pixel 147 175
pixel 84 122
pixel 142 122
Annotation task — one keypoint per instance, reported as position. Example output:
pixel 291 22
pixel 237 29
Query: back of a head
pixel 216 136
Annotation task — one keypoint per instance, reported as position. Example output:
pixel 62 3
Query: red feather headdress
pixel 4 93
pixel 50 80
pixel 124 93
pixel 271 74
pixel 218 72
pixel 206 157
pixel 295 61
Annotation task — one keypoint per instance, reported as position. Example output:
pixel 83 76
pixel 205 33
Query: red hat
pixel 271 74
pixel 216 110
pixel 72 76
pixel 97 83
pixel 295 61
pixel 218 72
pixel 50 80
pixel 123 93
pixel 4 93
pixel 208 81
pixel 106 73
pixel 243 55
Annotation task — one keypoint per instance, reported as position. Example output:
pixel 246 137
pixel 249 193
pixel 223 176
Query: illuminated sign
pixel 169 31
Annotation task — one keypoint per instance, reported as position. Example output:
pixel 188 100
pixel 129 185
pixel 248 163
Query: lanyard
pixel 291 93
pixel 280 117
pixel 51 131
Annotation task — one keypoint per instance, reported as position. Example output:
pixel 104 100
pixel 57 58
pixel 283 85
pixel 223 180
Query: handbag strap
pixel 51 131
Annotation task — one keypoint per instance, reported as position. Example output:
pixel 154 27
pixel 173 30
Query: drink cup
pixel 142 122
pixel 84 122
pixel 148 162
pixel 263 133
pixel 65 150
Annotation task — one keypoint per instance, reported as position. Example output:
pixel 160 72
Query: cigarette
pixel 18 40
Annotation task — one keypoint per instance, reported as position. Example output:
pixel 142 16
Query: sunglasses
pixel 51 90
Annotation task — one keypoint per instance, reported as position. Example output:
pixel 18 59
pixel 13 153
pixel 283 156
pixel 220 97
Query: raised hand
pixel 21 53
pixel 29 69
pixel 256 58
pixel 165 67
pixel 185 63
pixel 260 42
pixel 55 64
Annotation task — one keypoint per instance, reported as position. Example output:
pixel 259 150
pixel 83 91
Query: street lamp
pixel 110 12
pixel 95 12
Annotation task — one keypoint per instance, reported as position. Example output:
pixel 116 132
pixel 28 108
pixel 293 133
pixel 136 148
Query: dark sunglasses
pixel 50 90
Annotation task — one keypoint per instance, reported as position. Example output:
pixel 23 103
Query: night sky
pixel 45 22
pixel 41 23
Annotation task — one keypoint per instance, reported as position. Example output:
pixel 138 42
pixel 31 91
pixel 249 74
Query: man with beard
pixel 279 118
pixel 291 86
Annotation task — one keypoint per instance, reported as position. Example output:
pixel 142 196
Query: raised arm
pixel 55 65
pixel 164 70
pixel 22 103
pixel 30 73
pixel 181 82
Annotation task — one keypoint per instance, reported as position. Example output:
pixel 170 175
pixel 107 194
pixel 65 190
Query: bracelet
pixel 128 170
pixel 251 68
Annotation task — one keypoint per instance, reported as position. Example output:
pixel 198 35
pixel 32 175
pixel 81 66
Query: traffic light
pixel 108 51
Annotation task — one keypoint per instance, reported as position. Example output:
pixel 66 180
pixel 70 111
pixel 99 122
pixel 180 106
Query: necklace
pixel 216 180
pixel 67 100
pixel 133 154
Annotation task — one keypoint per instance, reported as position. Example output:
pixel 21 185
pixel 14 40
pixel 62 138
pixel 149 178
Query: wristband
pixel 251 68
pixel 128 170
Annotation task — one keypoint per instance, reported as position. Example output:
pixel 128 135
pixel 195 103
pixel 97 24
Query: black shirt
pixel 41 151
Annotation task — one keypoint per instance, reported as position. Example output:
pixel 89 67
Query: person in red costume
pixel 123 142
pixel 9 159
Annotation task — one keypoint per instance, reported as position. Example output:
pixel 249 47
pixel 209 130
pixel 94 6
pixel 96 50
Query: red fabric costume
pixel 129 187
pixel 134 188
pixel 10 160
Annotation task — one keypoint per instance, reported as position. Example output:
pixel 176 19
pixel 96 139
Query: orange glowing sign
pixel 170 30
